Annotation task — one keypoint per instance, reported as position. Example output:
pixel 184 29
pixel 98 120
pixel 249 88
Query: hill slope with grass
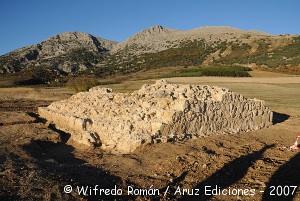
pixel 77 53
pixel 157 47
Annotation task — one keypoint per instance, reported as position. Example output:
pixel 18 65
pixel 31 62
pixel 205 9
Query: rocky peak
pixel 63 42
pixel 154 30
pixel 148 40
pixel 56 52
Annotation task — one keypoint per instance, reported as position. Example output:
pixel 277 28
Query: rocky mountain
pixel 210 45
pixel 158 38
pixel 156 47
pixel 66 52
pixel 153 39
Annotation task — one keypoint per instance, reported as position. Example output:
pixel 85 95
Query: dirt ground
pixel 37 161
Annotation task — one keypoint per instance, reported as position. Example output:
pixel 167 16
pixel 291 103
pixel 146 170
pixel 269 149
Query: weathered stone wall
pixel 159 112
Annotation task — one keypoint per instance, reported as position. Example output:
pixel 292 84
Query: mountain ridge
pixel 225 29
pixel 73 52
pixel 155 38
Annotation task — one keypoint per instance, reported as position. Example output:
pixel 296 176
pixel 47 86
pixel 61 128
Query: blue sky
pixel 27 22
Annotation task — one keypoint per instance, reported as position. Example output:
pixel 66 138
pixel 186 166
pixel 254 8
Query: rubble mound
pixel 155 113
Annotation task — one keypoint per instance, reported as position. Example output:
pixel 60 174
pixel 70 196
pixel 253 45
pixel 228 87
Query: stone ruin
pixel 155 113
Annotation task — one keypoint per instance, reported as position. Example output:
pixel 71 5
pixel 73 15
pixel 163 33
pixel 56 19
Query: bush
pixel 29 82
pixel 225 71
pixel 37 76
pixel 80 84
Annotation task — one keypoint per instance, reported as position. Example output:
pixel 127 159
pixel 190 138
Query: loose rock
pixel 156 113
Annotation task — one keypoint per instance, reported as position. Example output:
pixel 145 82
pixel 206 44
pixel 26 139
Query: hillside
pixel 155 47
pixel 153 39
pixel 206 46
pixel 66 52
pixel 158 38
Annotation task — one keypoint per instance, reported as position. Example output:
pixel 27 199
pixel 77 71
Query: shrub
pixel 36 76
pixel 79 84
pixel 224 71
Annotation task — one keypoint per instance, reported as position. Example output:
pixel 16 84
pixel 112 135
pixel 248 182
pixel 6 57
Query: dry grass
pixel 40 93
pixel 282 98
pixel 280 92
pixel 257 73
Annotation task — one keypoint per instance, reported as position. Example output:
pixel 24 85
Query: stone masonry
pixel 155 113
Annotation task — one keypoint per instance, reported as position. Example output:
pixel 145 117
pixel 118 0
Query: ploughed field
pixel 37 160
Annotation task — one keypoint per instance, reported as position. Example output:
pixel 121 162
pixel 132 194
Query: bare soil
pixel 37 161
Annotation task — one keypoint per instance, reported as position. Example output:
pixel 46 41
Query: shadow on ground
pixel 229 174
pixel 282 181
pixel 279 117
pixel 59 164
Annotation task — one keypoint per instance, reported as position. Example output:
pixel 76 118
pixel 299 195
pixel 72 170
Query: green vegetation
pixel 84 56
pixel 79 84
pixel 284 59
pixel 37 76
pixel 264 52
pixel 225 71
pixel 108 82
pixel 286 55
pixel 188 53
pixel 238 54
